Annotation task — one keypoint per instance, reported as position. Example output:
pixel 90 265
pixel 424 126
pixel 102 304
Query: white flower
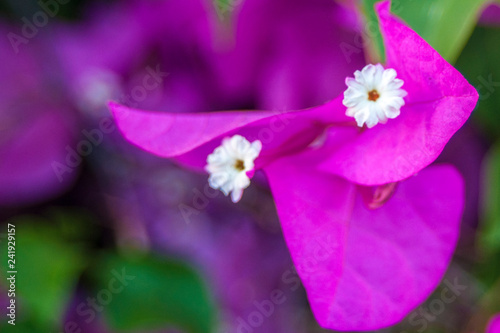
pixel 374 95
pixel 229 163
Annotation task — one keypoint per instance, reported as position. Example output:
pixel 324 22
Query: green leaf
pixel 487 269
pixel 25 327
pixel 479 64
pixel 47 268
pixel 153 293
pixel 489 239
pixel 445 24
pixel 374 43
pixel 225 8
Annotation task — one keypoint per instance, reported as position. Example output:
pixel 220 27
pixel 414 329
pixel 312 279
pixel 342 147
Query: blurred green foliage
pixel 48 267
pixel 54 253
pixel 479 64
pixel 371 32
pixel 488 238
pixel 445 24
pixel 490 230
pixel 157 293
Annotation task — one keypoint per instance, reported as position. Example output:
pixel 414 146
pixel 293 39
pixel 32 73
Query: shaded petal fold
pixel 193 136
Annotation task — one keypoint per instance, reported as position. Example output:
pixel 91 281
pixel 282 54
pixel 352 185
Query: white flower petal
pixel 374 95
pixel 229 163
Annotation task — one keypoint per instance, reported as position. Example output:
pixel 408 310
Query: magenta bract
pixel 363 269
pixel 494 325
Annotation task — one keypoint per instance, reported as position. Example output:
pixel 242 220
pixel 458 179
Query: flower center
pixel 373 95
pixel 373 84
pixel 239 165
pixel 230 163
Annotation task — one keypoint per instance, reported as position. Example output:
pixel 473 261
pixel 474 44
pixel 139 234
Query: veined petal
pixel 397 254
pixel 438 103
pixel 362 268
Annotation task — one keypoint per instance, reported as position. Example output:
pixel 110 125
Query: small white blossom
pixel 229 164
pixel 374 95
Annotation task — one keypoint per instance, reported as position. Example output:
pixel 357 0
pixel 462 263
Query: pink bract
pixel 363 269
pixel 494 325
pixel 366 269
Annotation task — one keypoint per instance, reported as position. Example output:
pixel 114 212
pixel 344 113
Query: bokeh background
pixel 112 239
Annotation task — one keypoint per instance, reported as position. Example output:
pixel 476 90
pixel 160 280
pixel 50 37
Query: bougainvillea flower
pixel 494 325
pixel 377 264
pixel 330 232
pixel 438 101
